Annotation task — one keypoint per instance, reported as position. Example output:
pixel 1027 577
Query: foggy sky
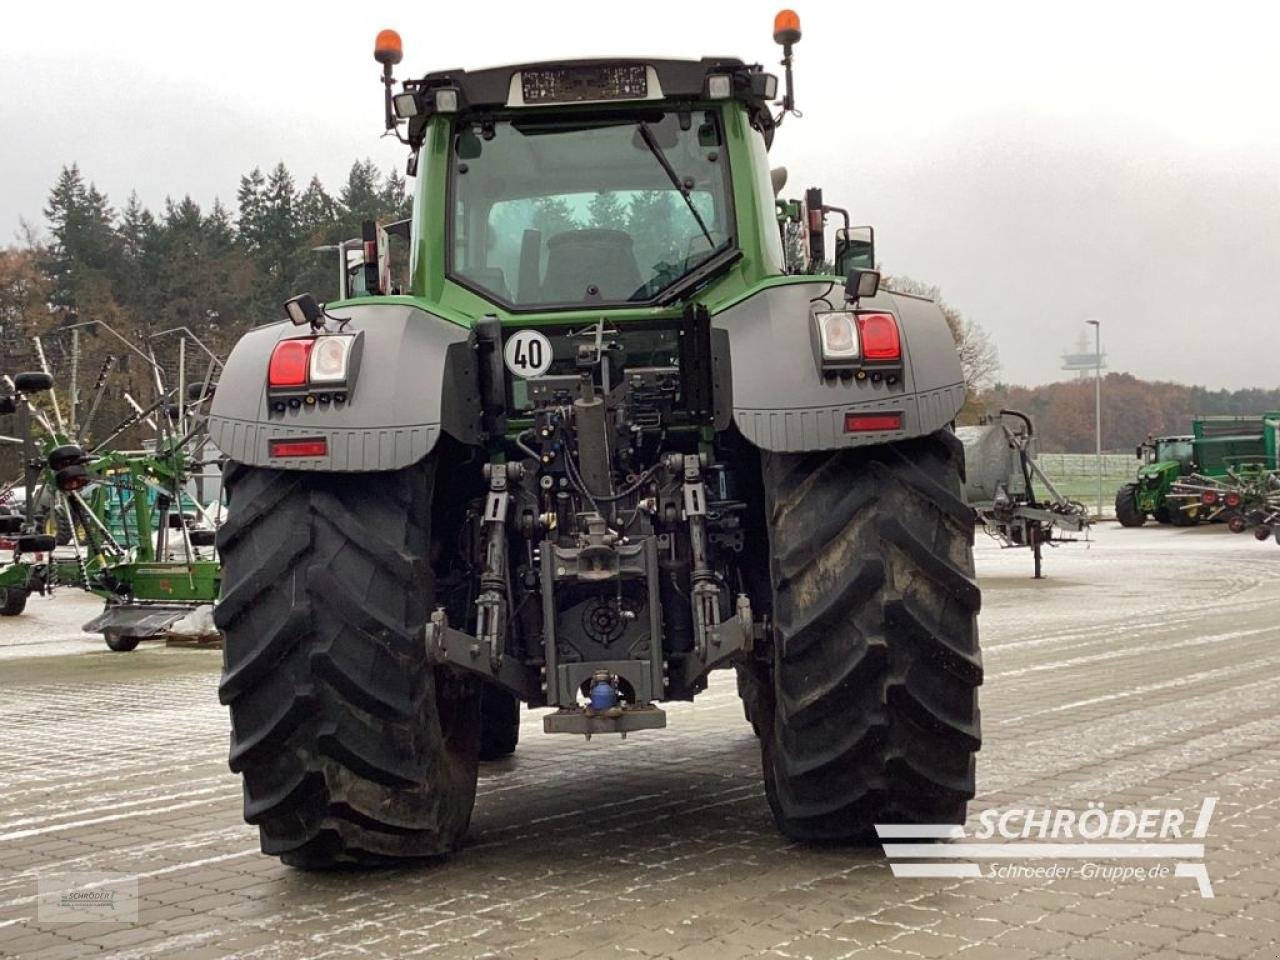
pixel 1041 163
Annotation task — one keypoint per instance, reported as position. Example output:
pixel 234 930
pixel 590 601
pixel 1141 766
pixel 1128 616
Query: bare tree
pixel 979 358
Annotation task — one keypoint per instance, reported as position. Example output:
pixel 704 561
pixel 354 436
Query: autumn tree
pixel 979 358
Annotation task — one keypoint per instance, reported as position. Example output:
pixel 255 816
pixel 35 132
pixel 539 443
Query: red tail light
pixel 880 338
pixel 288 366
pixel 871 422
pixel 310 447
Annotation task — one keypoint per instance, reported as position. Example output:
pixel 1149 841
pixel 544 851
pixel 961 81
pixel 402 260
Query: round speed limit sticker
pixel 528 353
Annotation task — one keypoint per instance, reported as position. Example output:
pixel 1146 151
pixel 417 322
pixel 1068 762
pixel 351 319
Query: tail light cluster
pixel 306 371
pixel 864 343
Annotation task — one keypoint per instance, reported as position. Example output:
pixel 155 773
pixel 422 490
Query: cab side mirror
pixel 855 247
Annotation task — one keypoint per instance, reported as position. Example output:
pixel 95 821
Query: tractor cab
pixel 1162 461
pixel 1163 453
pixel 586 184
pixel 627 185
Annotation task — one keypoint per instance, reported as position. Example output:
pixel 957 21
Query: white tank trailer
pixel 1001 481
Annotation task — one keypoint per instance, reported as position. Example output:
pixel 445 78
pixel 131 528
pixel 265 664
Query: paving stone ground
pixel 1145 672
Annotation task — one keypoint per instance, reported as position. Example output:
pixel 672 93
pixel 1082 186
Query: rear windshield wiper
pixel 651 142
pixel 701 275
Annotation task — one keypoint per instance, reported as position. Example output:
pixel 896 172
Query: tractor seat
pixel 579 260
pixel 491 279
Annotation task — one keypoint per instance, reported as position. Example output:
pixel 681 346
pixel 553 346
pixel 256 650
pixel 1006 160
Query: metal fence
pixel 1076 476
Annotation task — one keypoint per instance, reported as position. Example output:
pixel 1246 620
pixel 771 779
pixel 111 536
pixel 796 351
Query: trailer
pixel 1001 475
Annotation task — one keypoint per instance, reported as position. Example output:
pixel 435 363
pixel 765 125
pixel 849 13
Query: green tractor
pixel 1163 461
pixel 1218 447
pixel 604 443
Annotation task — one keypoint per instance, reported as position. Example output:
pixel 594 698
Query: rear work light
pixel 288 367
pixel 309 447
pixel 871 422
pixel 880 337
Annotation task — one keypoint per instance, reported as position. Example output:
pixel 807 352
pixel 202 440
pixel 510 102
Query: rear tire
pixel 1127 511
pixel 874 710
pixel 499 723
pixel 13 600
pixel 353 747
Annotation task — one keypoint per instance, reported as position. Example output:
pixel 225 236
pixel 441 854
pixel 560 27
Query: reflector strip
pixel 871 422
pixel 309 447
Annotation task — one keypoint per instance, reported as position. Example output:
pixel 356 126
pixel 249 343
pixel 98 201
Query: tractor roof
pixel 621 82
pixel 492 86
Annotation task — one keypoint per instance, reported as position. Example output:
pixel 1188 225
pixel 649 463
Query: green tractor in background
pixel 1217 447
pixel 1164 461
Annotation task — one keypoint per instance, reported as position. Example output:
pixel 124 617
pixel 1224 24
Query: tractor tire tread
pixel 872 714
pixel 352 747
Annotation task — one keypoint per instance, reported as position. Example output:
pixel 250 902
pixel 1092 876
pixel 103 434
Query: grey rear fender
pixel 781 400
pixel 416 378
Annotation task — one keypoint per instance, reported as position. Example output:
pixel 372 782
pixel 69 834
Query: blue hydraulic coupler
pixel 604 695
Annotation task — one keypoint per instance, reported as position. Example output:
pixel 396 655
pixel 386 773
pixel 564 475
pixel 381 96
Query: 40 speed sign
pixel 528 353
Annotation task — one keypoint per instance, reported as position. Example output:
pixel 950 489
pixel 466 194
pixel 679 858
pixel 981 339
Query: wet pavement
pixel 1144 673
